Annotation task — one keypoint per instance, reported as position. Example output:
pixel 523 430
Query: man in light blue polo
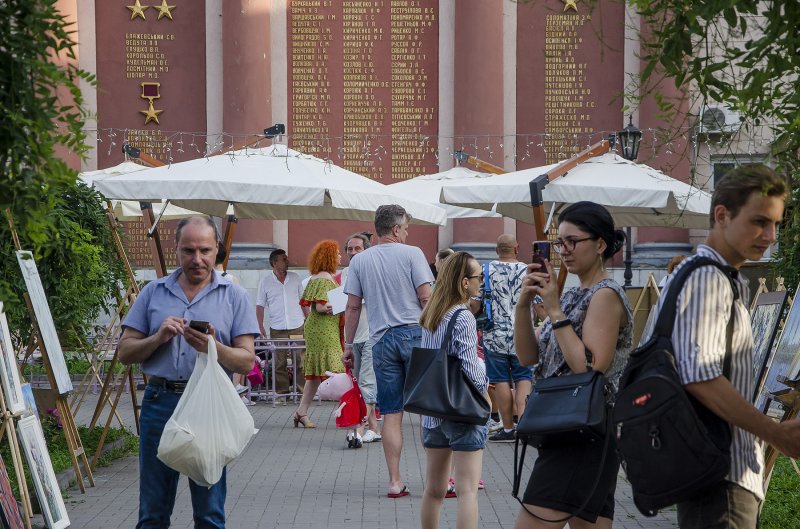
pixel 156 334
pixel 394 281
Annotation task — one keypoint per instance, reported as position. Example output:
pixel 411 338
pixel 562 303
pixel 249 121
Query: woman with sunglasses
pixel 445 441
pixel 594 321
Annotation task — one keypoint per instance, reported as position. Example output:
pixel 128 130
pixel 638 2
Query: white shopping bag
pixel 210 426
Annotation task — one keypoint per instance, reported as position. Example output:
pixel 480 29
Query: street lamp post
pixel 629 139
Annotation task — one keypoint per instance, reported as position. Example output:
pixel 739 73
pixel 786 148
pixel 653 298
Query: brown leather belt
pixel 171 385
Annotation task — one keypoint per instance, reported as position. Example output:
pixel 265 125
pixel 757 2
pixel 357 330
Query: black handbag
pixel 566 409
pixel 437 386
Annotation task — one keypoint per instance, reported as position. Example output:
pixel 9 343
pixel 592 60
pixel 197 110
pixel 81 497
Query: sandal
pixel 304 420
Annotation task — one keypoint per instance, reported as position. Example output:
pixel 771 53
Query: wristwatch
pixel 561 323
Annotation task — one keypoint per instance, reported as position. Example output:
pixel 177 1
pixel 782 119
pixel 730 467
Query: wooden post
pixel 227 241
pixel 16 459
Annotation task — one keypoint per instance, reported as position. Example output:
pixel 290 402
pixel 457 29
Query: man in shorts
pixel 502 367
pixel 393 280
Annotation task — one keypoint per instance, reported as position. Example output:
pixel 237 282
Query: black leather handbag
pixel 437 386
pixel 566 409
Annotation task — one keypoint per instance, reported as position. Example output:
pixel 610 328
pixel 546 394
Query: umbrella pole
pixel 540 182
pixel 227 240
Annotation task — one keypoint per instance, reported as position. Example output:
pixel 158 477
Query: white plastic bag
pixel 333 387
pixel 210 426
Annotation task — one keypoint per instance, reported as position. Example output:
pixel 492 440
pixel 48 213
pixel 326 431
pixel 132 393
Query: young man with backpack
pixel 746 208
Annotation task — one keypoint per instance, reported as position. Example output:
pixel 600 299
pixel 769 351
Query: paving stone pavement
pixel 308 479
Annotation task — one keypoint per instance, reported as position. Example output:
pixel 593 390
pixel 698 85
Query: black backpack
pixel 671 446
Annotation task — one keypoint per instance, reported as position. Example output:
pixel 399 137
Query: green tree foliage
pixel 743 53
pixel 61 222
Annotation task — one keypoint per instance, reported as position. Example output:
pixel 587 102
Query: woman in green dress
pixel 323 340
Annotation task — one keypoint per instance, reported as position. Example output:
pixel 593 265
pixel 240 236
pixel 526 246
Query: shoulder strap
pixel 449 332
pixel 666 317
pixel 487 291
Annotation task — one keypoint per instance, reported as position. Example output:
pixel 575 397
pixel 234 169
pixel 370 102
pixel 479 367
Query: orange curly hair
pixel 324 257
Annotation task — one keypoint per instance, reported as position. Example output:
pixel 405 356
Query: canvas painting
pixel 765 319
pixel 46 326
pixel 42 475
pixel 9 509
pixel 780 358
pixel 30 401
pixel 9 373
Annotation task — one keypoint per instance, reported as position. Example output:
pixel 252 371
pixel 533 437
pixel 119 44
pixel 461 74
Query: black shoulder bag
pixel 437 386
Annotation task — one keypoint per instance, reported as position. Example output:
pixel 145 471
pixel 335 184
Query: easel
pixel 762 288
pixel 74 444
pixel 648 297
pixel 790 400
pixel 9 427
pixel 110 380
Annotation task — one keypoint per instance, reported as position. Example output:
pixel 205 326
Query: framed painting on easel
pixel 779 359
pixel 765 318
pixel 42 474
pixel 9 373
pixel 47 328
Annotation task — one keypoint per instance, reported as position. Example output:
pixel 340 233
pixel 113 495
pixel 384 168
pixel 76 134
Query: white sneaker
pixel 247 402
pixel 371 437
pixel 240 389
pixel 494 425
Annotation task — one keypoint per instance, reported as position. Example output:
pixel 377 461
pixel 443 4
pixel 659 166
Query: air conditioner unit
pixel 718 119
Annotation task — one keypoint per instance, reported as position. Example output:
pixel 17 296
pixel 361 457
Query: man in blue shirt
pixel 156 334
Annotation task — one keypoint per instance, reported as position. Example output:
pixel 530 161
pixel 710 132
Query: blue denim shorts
pixel 502 367
pixel 457 436
pixel 391 356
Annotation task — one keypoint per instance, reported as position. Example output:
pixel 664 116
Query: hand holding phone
pixel 199 325
pixel 541 251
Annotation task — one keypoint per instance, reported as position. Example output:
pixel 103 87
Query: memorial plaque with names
pixel 570 87
pixel 363 84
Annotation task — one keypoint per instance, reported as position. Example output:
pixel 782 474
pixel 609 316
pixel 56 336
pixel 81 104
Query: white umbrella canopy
pixel 273 182
pixel 429 187
pixel 635 194
pixel 129 209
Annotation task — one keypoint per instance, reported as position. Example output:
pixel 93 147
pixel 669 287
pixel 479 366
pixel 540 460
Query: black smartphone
pixel 199 325
pixel 541 251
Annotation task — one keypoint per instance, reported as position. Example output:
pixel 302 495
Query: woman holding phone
pixel 594 321
pixel 460 277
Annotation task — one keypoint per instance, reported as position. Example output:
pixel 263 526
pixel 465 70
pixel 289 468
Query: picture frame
pixel 9 372
pixel 779 359
pixel 40 466
pixel 765 319
pixel 10 516
pixel 47 328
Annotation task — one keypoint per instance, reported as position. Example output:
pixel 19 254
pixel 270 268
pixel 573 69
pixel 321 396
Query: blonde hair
pixel 449 290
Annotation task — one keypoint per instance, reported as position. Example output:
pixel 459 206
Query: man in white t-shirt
pixel 362 346
pixel 393 279
pixel 279 292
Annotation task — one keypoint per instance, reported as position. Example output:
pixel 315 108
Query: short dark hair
pixel 222 253
pixel 364 236
pixel 203 219
pixel 274 255
pixel 735 188
pixel 389 216
pixel 596 220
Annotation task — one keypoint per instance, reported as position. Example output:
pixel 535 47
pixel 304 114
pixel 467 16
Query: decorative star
pixel 573 4
pixel 151 114
pixel 137 10
pixel 164 10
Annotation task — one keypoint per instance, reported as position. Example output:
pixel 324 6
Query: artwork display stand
pixel 76 450
pixel 790 400
pixel 9 427
pixel 112 335
pixel 648 297
pixel 762 288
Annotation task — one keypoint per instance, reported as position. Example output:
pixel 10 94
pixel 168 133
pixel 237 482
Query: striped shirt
pixel 464 345
pixel 699 342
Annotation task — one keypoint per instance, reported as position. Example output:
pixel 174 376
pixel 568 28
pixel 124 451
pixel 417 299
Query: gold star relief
pixel 137 10
pixel 151 114
pixel 573 4
pixel 164 10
